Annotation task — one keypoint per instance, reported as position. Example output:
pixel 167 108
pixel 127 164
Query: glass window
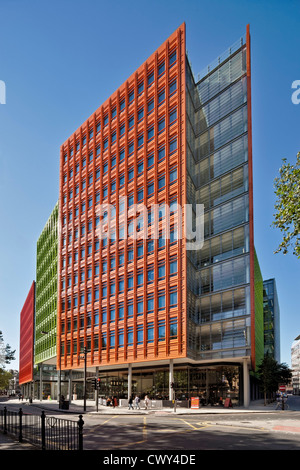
pixel 150 133
pixel 150 304
pixel 140 306
pixel 130 309
pixel 161 301
pixel 130 336
pixel 161 182
pixel 112 340
pixel 131 96
pixel 173 267
pixel 121 338
pixel 161 96
pixel 150 275
pixel 173 328
pixel 150 189
pixel 173 116
pixel 150 78
pixel 150 106
pixel 140 335
pixel 173 299
pixel 161 271
pixel 140 167
pixel 150 161
pixel 121 311
pixel 161 153
pixel 173 175
pixel 131 122
pixel 161 331
pixel 140 87
pixel 173 87
pixel 140 279
pixel 161 68
pixel 172 58
pixel 150 333
pixel 140 114
pixel 173 145
pixel 161 125
pixel 130 281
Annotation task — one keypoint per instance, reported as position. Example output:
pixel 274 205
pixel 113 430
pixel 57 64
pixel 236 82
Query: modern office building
pixel 27 343
pixel 271 319
pixel 46 309
pixel 46 291
pixel 151 306
pixel 295 365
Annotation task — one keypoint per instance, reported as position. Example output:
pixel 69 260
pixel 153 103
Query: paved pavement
pixel 76 408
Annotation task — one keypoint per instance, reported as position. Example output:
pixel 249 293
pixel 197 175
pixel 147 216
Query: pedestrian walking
pixel 130 401
pixel 146 402
pixel 137 402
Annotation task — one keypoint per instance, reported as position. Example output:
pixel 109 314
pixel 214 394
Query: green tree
pixel 271 374
pixel 287 206
pixel 5 377
pixel 6 353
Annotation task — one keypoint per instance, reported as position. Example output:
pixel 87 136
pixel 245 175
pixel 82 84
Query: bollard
pixel 80 433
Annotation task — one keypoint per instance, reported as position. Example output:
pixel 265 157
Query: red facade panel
pixel 27 337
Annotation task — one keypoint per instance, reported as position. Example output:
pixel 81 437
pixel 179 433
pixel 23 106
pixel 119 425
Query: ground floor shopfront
pixel 212 383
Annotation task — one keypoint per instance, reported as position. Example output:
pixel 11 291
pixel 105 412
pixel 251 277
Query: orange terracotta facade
pixel 93 175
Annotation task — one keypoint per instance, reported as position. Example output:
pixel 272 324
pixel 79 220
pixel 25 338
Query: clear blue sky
pixel 60 60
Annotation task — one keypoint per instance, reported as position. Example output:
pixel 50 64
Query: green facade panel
pixel 259 312
pixel 46 291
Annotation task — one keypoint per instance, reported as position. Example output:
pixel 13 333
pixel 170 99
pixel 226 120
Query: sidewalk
pixel 11 443
pixel 76 407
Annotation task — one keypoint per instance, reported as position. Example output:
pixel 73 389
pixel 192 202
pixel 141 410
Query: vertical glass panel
pixel 216 307
pixel 216 337
pixel 205 309
pixel 227 304
pixel 215 249
pixel 239 302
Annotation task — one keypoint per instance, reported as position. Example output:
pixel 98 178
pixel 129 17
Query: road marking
pixel 92 428
pixel 204 425
pixel 145 429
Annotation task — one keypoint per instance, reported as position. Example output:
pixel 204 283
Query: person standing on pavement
pixel 130 403
pixel 146 402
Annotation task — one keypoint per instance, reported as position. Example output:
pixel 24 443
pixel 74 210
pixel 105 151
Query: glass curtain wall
pixel 208 383
pixel 218 275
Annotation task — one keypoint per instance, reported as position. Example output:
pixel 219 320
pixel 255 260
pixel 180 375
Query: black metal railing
pixel 47 432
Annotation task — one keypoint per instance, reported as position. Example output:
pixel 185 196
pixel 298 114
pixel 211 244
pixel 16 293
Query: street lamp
pixel 84 377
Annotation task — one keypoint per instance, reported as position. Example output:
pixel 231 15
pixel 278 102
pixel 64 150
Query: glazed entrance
pixel 211 384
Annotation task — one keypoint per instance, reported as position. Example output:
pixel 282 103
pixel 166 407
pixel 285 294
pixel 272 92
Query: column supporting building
pixel 70 386
pixel 129 380
pixel 41 381
pixel 171 379
pixel 246 383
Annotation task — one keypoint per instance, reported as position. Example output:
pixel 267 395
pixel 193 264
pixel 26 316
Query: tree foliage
pixel 287 206
pixel 271 373
pixel 6 353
